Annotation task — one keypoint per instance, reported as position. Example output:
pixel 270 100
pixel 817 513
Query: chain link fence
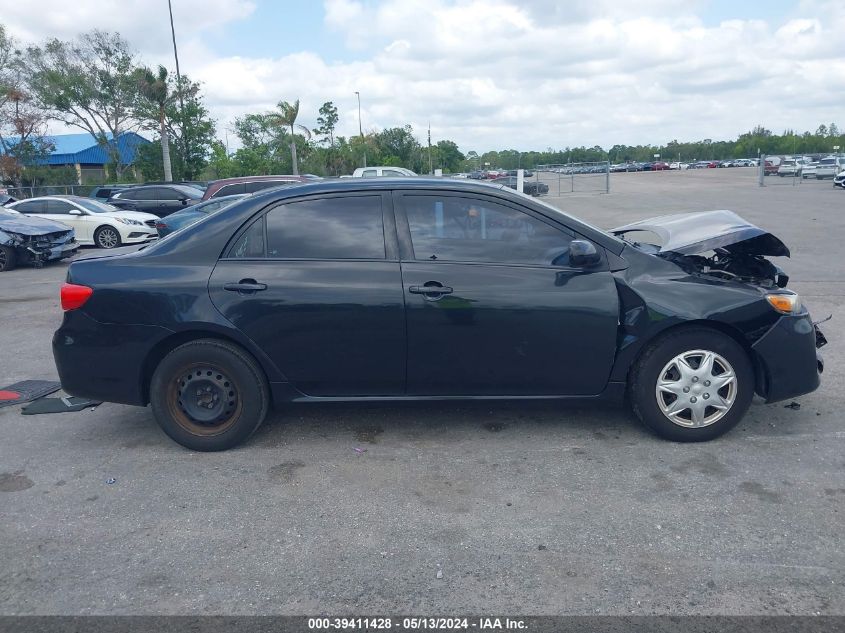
pixel 574 177
pixel 49 190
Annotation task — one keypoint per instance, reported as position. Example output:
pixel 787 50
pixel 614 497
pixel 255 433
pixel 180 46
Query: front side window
pixel 166 193
pixel 330 228
pixel 476 230
pixel 59 207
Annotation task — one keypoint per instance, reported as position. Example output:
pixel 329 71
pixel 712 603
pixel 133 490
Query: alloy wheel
pixel 107 238
pixel 696 388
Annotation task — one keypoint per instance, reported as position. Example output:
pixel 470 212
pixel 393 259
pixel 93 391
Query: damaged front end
pixel 714 243
pixel 729 284
pixel 33 241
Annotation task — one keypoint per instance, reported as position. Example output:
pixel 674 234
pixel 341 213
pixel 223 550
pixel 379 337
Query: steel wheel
pixel 107 237
pixel 696 388
pixel 203 400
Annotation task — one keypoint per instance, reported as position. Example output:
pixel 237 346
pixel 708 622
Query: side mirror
pixel 74 212
pixel 583 254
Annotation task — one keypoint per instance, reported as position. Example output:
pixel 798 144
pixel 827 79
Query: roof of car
pixel 254 178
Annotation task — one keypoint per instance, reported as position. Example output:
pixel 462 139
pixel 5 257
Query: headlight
pixel 785 303
pixel 128 221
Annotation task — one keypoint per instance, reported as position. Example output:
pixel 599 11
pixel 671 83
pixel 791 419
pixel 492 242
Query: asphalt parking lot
pixel 444 508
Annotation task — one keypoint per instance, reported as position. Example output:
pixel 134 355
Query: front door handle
pixel 431 290
pixel 245 286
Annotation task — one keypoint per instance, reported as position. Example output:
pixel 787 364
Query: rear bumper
pixel 788 362
pixel 103 361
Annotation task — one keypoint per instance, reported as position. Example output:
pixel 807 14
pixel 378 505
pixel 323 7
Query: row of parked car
pixel 806 167
pixel 46 228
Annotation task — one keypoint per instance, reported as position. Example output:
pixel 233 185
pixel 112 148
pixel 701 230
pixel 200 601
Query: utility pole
pixel 361 129
pixel 179 92
pixel 430 165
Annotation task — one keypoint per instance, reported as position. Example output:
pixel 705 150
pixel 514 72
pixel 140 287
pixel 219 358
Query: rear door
pixel 493 306
pixel 316 284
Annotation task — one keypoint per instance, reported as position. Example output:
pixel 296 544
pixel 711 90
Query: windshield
pixel 94 206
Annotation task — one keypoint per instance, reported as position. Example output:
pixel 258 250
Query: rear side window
pixel 32 206
pixel 367 173
pixel 331 228
pixel 251 243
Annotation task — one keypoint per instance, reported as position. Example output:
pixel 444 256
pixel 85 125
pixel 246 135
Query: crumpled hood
pixel 27 225
pixel 699 232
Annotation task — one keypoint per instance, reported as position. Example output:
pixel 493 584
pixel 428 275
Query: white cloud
pixel 496 74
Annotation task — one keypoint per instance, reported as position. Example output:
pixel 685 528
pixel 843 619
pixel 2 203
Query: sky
pixel 492 74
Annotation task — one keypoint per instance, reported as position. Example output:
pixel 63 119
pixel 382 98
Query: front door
pixel 493 306
pixel 315 284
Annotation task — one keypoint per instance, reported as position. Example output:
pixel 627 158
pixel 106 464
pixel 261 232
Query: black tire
pixel 189 378
pixel 8 259
pixel 647 370
pixel 107 237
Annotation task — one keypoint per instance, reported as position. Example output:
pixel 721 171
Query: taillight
pixel 161 225
pixel 74 296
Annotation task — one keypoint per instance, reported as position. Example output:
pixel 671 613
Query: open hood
pixel 699 232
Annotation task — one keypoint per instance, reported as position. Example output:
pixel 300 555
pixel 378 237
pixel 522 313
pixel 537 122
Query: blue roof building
pixel 89 158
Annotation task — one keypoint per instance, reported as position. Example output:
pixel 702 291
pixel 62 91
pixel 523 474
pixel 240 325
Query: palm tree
pixel 156 90
pixel 287 118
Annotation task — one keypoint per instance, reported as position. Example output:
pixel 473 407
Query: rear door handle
pixel 245 286
pixel 431 290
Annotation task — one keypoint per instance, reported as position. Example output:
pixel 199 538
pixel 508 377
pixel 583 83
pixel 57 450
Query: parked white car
pixel 827 167
pixel 94 222
pixel 839 180
pixel 377 172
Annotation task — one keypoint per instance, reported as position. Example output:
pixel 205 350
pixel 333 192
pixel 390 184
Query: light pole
pixel 185 152
pixel 360 128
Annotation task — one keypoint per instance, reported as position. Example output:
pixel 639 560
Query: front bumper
pixel 788 362
pixel 138 236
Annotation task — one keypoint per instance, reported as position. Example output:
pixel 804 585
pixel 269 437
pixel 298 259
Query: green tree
pixel 154 92
pixel 90 84
pixel 286 117
pixel 188 127
pixel 449 157
pixel 327 121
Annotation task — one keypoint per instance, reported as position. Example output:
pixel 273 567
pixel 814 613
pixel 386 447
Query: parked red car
pixel 770 169
pixel 659 166
pixel 247 184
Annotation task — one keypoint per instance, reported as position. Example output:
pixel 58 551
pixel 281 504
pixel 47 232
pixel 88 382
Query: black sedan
pixel 160 200
pixel 424 289
pixel 531 187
